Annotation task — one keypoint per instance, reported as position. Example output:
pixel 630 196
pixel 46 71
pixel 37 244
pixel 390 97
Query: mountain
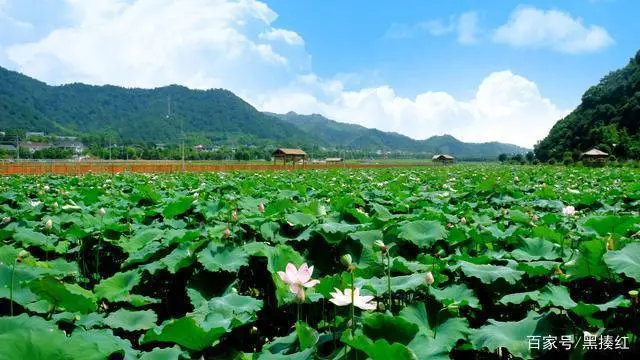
pixel 356 136
pixel 141 115
pixel 608 114
pixel 136 114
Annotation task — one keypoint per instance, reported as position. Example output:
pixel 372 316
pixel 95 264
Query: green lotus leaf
pixel 490 273
pixel 131 320
pixel 218 257
pixel 512 335
pixel 458 294
pixel 422 232
pixel 625 261
pixel 70 297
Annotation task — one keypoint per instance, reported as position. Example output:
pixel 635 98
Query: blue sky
pixel 479 70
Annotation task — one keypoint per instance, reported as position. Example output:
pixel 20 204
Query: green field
pixel 466 261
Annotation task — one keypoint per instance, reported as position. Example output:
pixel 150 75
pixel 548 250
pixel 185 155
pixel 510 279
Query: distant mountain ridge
pixel 357 136
pixel 216 115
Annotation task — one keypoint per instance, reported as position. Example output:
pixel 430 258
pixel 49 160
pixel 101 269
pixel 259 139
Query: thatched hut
pixel 286 155
pixel 443 159
pixel 594 157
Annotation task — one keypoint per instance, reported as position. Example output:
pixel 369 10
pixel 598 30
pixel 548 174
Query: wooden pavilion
pixel 286 155
pixel 443 159
pixel 594 157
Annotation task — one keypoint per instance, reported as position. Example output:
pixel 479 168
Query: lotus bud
pixel 261 207
pixel 381 246
pixel 429 279
pixel 516 179
pixel 254 330
pixel 23 254
pixel 610 245
pixel 634 296
pixel 6 220
pixel 234 215
pixel 227 232
pixel 535 218
pixel 570 263
pixel 453 308
pixel 463 221
pixel 346 260
pixel 48 225
pixel 505 212
pixel 101 212
pixel 55 205
pixel 558 271
pixel 46 188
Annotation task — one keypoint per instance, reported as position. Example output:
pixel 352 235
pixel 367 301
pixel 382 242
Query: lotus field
pixel 462 262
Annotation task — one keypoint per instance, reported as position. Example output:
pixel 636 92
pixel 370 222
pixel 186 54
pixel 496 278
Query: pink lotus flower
pixel 344 298
pixel 227 232
pixel 234 215
pixel 298 279
pixel 569 210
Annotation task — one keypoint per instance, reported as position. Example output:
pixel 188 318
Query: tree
pixel 502 157
pixel 529 156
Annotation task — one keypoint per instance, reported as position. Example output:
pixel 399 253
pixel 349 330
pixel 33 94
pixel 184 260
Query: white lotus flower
pixel 322 210
pixel 569 210
pixel 344 298
pixel 428 279
pixel 48 225
pixel 101 212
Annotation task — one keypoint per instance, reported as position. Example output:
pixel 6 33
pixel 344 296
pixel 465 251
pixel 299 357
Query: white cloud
pixel 151 43
pixel 467 28
pixel 233 44
pixel 506 107
pixel 529 27
pixel 288 36
pixel 465 25
pixel 437 27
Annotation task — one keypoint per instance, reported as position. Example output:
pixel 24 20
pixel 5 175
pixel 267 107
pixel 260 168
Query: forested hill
pixel 135 114
pixel 609 114
pixel 211 116
pixel 356 136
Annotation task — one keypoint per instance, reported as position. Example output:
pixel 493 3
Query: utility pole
pixel 181 132
pixel 110 147
pixel 18 148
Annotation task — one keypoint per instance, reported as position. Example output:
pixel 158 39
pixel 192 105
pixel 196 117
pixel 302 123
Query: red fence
pixel 76 168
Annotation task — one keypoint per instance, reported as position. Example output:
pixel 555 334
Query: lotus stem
pixel 353 311
pixel 389 281
pixel 98 250
pixel 13 273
